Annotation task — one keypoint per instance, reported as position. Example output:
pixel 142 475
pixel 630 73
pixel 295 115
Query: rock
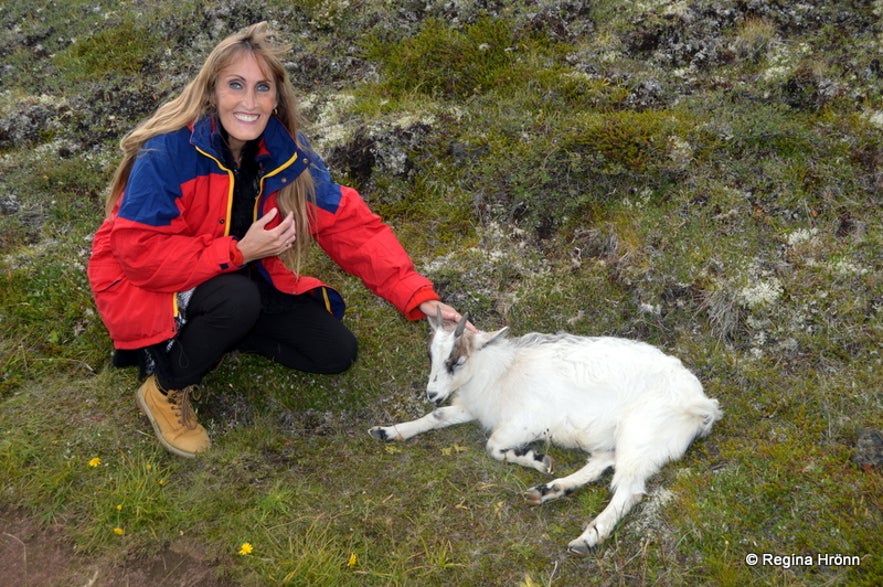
pixel 868 449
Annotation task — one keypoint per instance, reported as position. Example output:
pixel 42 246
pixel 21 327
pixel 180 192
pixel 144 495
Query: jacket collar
pixel 278 152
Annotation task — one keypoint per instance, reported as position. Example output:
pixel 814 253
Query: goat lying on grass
pixel 626 403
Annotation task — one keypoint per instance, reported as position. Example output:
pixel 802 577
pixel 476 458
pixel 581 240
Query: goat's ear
pixel 491 337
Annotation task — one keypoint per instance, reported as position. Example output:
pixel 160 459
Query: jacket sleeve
pixel 156 247
pixel 362 244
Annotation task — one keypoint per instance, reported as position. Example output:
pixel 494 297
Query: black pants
pixel 226 314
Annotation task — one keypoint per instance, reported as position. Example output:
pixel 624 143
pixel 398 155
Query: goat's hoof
pixel 587 540
pixel 543 493
pixel 534 496
pixel 579 547
pixel 379 433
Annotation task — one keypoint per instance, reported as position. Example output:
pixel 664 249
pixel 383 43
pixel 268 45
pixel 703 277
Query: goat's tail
pixel 708 412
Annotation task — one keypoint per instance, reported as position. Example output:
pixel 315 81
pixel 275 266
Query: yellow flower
pixel 161 482
pixel 246 548
pixel 119 507
pixel 119 531
pixel 353 560
pixel 94 462
pixel 452 449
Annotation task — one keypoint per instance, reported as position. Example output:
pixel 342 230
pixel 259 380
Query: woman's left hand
pixel 449 314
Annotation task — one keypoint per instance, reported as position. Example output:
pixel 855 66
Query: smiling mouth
pixel 246 117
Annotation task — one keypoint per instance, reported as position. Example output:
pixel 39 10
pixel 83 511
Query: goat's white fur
pixel 626 403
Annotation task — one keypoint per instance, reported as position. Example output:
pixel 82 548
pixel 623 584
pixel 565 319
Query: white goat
pixel 629 405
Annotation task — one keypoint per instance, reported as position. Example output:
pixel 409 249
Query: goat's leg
pixel 625 496
pixel 597 465
pixel 438 418
pixel 644 442
pixel 500 449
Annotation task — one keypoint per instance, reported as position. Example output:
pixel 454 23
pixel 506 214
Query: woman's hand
pixel 448 313
pixel 260 242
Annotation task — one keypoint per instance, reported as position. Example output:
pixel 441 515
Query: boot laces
pixel 180 400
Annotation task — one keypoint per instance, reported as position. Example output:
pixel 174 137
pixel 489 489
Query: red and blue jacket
pixel 169 233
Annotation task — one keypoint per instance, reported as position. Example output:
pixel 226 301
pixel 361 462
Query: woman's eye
pixel 264 87
pixel 235 85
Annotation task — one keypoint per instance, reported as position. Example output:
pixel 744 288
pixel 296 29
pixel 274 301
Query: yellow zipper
pixel 229 191
pixel 327 300
pixel 276 171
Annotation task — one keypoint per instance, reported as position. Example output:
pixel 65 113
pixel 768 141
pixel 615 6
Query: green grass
pixel 123 49
pixel 735 222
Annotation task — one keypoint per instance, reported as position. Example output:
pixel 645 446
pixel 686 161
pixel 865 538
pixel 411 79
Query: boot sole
pixel 142 405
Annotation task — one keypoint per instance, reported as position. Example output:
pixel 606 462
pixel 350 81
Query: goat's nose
pixel 432 395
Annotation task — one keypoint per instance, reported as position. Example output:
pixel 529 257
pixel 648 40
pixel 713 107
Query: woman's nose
pixel 250 98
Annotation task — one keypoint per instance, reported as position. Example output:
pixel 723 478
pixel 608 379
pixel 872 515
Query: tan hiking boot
pixel 172 419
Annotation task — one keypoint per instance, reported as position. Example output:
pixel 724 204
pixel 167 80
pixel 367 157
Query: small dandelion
pixel 119 531
pixel 148 466
pixel 246 549
pixel 448 451
pixel 95 461
pixel 353 560
pixel 119 507
pixel 161 482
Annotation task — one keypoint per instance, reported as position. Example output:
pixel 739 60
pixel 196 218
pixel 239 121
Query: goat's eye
pixel 453 362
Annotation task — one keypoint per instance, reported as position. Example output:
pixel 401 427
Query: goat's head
pixel 450 349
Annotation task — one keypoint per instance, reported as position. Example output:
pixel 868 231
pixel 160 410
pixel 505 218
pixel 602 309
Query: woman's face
pixel 246 97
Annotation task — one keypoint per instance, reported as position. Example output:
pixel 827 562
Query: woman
pixel 209 216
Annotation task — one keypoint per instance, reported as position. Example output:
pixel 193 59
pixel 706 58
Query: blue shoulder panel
pixel 328 192
pixel 155 181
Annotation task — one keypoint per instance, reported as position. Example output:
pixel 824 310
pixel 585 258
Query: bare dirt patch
pixel 32 555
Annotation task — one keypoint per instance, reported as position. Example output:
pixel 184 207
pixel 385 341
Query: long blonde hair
pixel 198 99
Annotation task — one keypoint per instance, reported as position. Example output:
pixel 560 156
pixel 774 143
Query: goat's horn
pixel 439 320
pixel 462 325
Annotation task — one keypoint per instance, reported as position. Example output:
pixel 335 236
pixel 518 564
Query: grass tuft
pixel 125 49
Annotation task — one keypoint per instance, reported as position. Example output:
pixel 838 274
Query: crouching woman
pixel 210 212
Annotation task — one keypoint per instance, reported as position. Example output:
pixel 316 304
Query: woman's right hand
pixel 260 242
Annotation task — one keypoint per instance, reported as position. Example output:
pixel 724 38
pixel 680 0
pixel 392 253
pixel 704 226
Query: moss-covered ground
pixel 704 175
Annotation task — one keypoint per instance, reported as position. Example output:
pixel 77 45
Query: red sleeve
pixel 413 311
pixel 362 244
